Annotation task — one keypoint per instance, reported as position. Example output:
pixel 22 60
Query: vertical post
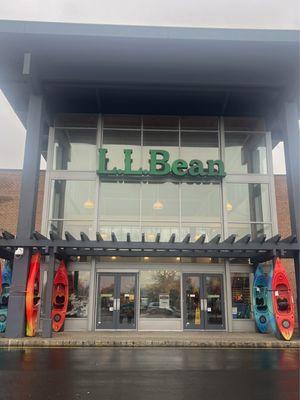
pixel 292 159
pixel 26 221
pixel 47 320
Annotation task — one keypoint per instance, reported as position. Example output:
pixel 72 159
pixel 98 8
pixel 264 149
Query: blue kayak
pixel 6 282
pixel 260 297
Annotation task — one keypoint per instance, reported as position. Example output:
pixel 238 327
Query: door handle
pixel 118 305
pixel 205 304
pixel 202 304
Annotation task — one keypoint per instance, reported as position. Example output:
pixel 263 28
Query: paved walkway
pixel 154 339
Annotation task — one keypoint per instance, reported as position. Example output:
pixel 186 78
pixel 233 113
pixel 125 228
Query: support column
pixel 47 320
pixel 26 222
pixel 292 159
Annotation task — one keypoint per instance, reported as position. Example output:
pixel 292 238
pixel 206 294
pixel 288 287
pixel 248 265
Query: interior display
pixel 241 298
pixel 78 298
pixel 33 295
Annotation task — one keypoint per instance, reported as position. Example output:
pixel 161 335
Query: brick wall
pixel 10 185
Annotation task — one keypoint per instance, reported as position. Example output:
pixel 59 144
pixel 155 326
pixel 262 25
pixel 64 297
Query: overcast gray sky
pixel 267 14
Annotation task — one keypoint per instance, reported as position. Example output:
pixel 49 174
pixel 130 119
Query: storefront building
pixel 159 189
pixel 158 293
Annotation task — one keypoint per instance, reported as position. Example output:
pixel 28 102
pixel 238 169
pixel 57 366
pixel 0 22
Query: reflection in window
pixel 157 140
pixel 210 230
pixel 160 202
pixel 199 145
pixel 79 283
pixel 241 298
pixel 73 227
pixel 160 294
pixel 119 201
pixel 245 153
pixel 200 202
pixel 248 202
pixel 75 149
pixel 115 141
pixel 72 199
pixel 253 229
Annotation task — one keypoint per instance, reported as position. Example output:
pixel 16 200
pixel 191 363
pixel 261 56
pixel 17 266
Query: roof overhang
pixel 105 68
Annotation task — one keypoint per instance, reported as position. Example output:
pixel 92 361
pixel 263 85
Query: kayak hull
pixel 260 300
pixel 32 295
pixel 283 302
pixel 60 297
pixel 5 286
pixel 3 319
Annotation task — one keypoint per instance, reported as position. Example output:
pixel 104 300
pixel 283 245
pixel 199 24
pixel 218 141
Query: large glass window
pixel 248 209
pixel 248 202
pixel 72 199
pixel 160 210
pixel 75 149
pixel 200 210
pixel 72 207
pixel 199 145
pixel 160 294
pixel 119 210
pixel 241 297
pixel 245 153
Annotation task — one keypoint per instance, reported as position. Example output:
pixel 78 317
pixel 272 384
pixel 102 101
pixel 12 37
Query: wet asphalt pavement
pixel 149 373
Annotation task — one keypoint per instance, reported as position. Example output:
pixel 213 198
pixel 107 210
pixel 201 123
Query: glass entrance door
pixel 116 301
pixel 203 301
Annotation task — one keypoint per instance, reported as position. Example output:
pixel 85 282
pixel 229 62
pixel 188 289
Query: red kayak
pixel 32 295
pixel 283 302
pixel 60 297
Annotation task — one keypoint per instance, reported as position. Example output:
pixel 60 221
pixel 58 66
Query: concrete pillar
pixel 292 159
pixel 26 222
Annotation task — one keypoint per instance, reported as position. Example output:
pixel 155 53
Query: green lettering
pixel 179 167
pixel 127 163
pixel 164 166
pixel 220 171
pixel 196 168
pixel 103 164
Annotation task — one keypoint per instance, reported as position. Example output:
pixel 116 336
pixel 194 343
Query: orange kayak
pixel 283 302
pixel 60 297
pixel 32 295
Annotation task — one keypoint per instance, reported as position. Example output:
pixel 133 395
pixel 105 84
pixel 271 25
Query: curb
pixel 40 342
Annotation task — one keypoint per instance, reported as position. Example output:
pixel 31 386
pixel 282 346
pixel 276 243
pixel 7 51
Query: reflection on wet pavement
pixel 149 373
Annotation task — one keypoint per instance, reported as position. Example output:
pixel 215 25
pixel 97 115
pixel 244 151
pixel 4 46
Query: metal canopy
pixel 257 249
pixel 130 69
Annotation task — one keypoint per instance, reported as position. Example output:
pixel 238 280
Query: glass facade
pixel 78 200
pixel 81 202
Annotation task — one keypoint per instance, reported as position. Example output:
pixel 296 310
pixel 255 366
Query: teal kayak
pixel 260 300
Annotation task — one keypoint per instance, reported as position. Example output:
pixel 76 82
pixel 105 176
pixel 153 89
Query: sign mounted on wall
pixel 160 166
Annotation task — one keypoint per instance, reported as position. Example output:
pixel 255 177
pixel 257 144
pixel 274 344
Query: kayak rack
pixel 259 249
